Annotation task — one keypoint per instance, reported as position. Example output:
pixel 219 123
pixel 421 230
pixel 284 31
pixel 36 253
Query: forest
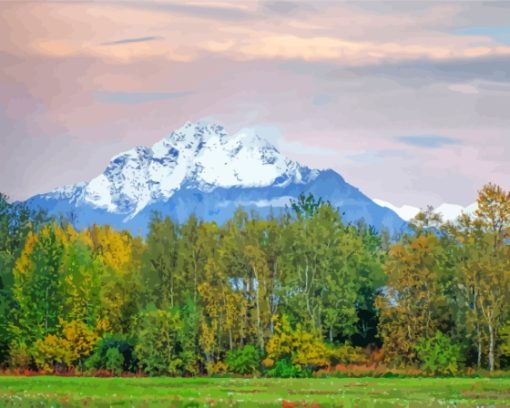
pixel 293 295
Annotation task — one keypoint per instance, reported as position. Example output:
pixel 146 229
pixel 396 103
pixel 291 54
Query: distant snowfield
pixel 449 212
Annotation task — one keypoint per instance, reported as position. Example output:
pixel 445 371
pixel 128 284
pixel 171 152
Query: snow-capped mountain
pixel 200 169
pixel 406 212
pixel 449 212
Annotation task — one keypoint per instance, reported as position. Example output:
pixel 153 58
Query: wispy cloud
pixel 133 98
pixel 133 40
pixel 205 11
pixel 428 141
pixel 488 68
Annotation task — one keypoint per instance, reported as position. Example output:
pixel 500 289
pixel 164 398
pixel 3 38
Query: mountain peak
pixel 200 169
pixel 197 155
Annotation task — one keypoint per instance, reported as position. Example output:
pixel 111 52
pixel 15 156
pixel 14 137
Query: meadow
pixel 41 391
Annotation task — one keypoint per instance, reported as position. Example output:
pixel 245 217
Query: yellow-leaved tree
pixel 299 346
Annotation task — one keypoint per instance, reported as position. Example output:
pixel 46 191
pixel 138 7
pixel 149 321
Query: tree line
pixel 283 296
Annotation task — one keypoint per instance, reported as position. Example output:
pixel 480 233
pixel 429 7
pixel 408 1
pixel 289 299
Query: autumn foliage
pixel 283 296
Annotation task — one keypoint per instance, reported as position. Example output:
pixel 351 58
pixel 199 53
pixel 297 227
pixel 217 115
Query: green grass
pixel 204 392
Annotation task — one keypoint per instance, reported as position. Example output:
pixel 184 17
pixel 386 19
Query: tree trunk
pixel 46 311
pixel 491 347
pixel 195 267
pixel 479 357
pixel 172 291
pixel 257 302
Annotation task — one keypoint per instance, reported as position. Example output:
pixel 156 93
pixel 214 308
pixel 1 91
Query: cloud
pixel 478 86
pixel 296 147
pixel 133 40
pixel 211 11
pixel 371 80
pixel 500 34
pixel 133 98
pixel 430 142
pixel 465 88
pixel 284 7
pixel 338 48
pixel 419 72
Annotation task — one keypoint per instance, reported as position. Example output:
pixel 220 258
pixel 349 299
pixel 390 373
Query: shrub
pixel 439 355
pixel 216 368
pixel 157 344
pixel 19 356
pixel 285 369
pixel 114 361
pixel 98 360
pixel 346 354
pixel 243 360
pixel 297 345
pixel 79 340
pixel 51 353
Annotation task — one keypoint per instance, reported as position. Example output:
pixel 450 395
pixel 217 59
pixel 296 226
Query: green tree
pixel 493 214
pixel 37 289
pixel 157 346
pixel 439 355
pixel 114 361
pixel 16 222
pixel 244 360
pixel 408 307
pixel 160 273
pixel 121 286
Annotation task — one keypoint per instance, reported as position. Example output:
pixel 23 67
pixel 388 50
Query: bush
pixel 285 369
pixel 98 360
pixel 439 355
pixel 19 356
pixel 216 368
pixel 157 344
pixel 243 360
pixel 297 345
pixel 51 353
pixel 79 339
pixel 346 354
pixel 114 361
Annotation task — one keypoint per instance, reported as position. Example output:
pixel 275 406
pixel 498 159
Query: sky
pixel 408 101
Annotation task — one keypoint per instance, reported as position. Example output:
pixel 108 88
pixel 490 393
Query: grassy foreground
pixel 204 392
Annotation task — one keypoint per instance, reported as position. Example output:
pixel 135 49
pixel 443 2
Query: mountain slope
pixel 200 169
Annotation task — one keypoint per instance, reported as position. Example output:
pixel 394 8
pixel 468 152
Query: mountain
pixel 200 169
pixel 449 212
pixel 406 212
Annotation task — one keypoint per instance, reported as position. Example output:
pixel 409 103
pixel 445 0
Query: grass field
pixel 205 392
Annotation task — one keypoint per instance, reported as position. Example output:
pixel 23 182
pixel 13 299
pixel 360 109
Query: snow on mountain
pixel 449 212
pixel 199 155
pixel 406 212
pixel 201 169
